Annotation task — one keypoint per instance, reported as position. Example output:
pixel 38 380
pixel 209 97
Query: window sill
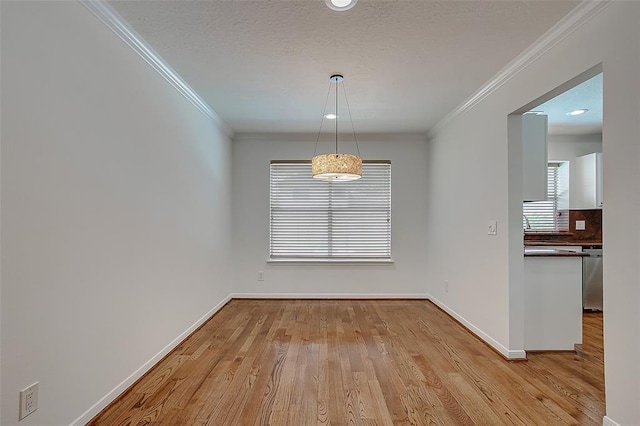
pixel 330 261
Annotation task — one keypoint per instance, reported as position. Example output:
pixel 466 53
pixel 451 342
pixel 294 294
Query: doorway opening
pixel 561 209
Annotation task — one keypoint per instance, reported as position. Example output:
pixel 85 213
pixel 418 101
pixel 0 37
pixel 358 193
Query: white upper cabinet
pixel 534 157
pixel 587 193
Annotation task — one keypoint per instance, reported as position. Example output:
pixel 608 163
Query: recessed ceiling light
pixel 577 112
pixel 330 116
pixel 340 5
pixel 535 112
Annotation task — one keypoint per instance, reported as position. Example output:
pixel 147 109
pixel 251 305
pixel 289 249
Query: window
pixel 314 220
pixel 553 213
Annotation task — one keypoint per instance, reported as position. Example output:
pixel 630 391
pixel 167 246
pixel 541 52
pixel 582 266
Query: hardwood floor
pixel 592 337
pixel 363 362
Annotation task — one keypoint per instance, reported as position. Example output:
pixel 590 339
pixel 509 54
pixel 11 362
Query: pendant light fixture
pixel 336 167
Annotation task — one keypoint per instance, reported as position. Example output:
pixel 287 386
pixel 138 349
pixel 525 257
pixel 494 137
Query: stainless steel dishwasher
pixel 592 279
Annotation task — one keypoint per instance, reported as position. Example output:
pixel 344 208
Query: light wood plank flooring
pixel 363 362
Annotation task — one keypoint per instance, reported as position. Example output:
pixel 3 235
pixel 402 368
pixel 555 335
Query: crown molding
pixel 105 13
pixel 311 137
pixel 577 17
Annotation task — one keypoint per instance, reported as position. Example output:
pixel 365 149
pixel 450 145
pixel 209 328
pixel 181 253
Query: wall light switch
pixel 492 228
pixel 580 225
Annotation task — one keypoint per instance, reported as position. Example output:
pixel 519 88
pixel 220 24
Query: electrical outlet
pixel 580 225
pixel 28 400
pixel 260 275
pixel 446 286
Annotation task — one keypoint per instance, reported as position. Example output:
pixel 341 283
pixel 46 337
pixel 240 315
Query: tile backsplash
pixel 592 233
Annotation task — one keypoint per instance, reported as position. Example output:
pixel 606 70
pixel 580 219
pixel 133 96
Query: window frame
pixel 557 196
pixel 341 259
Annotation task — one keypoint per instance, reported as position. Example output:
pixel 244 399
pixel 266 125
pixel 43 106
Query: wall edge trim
pixel 108 16
pixel 505 352
pixel 502 350
pixel 301 137
pixel 608 421
pixel 576 18
pixel 142 370
pixel 330 296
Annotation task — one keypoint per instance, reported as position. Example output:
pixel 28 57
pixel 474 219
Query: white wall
pixel 115 211
pixel 470 158
pixel 467 187
pixel 568 148
pixel 251 157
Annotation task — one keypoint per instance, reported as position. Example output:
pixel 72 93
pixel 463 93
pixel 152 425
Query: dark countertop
pixel 551 252
pixel 562 243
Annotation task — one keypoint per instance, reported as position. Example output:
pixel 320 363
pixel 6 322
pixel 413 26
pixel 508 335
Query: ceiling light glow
pixel 340 5
pixel 577 112
pixel 330 116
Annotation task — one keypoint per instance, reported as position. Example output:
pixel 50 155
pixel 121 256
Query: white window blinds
pixel 551 214
pixel 312 219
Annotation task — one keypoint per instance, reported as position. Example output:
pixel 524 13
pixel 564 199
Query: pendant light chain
pixel 326 101
pixel 351 118
pixel 337 118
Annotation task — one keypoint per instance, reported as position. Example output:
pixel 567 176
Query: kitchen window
pixel 312 220
pixel 551 215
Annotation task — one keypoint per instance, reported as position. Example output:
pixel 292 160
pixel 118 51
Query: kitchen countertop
pixel 551 252
pixel 562 243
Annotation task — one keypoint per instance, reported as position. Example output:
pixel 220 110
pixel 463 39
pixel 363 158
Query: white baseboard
pixel 330 296
pixel 124 385
pixel 509 354
pixel 608 421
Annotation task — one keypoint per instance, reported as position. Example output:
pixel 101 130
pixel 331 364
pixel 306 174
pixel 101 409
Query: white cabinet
pixel 534 157
pixel 588 190
pixel 553 302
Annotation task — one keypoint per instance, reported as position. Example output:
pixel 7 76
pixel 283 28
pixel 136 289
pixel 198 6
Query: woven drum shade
pixel 336 167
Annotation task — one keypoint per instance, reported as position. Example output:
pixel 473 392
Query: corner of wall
pixel 607 421
pixel 146 367
pixel 497 346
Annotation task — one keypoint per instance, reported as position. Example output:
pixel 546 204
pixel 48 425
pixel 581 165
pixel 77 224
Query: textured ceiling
pixel 264 66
